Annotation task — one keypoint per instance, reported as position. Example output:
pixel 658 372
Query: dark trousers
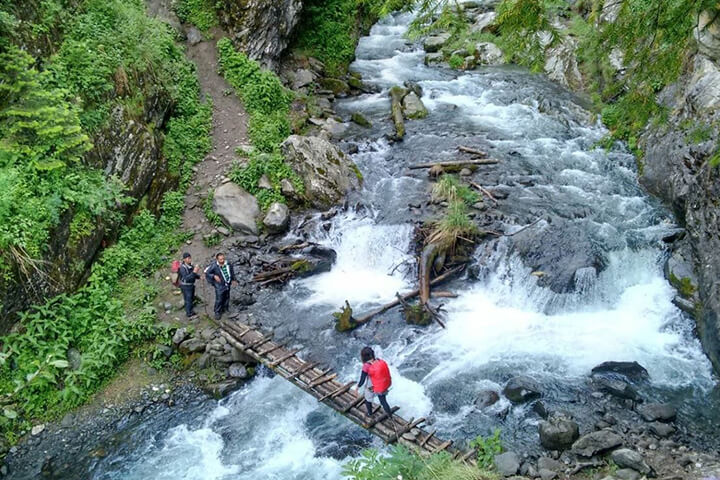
pixel 188 292
pixel 383 403
pixel 222 299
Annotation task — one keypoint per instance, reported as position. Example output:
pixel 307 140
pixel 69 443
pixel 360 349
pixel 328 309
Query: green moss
pixel 344 320
pixel 361 120
pixel 683 285
pixel 200 13
pixel 456 62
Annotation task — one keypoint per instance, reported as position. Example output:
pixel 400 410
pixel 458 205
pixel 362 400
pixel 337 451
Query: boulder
pixel 221 389
pixel 326 172
pixel 662 430
pixel 617 388
pixel 561 64
pixel 547 463
pixel 302 78
pixel 277 218
pixel 192 345
pixel 547 474
pixel 488 53
pixel 486 398
pixel 396 96
pixel 434 43
pixel 627 458
pixel 413 107
pixel 631 370
pixel 179 335
pixel 238 370
pixel 558 432
pixel 237 208
pixel 707 34
pixel 596 442
pixel 627 474
pixel 194 36
pixel 521 389
pixel 361 119
pixel 483 21
pixel 662 412
pixel 337 86
pixel 507 464
pixel 434 58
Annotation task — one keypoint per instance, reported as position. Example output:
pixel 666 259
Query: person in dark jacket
pixel 188 274
pixel 221 275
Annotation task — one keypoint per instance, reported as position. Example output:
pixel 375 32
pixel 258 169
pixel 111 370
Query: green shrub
pixel 453 226
pixel 456 62
pixel 210 214
pixel 449 188
pixel 200 13
pixel 272 165
pixel 487 448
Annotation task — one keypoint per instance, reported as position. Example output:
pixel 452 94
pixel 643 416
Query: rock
pixel 662 412
pixel 396 96
pixel 627 474
pixel 483 21
pixel 413 107
pixel 540 408
pixel 413 87
pixel 68 420
pixel 74 359
pixel 361 120
pixel 488 53
pixel 507 464
pixel 194 36
pixel 631 370
pixel 261 28
pixel 203 361
pixel 264 182
pixel 707 34
pixel 627 458
pixel 486 398
pixel 237 208
pixel 596 442
pixel 465 172
pixel 561 64
pixel 558 432
pixel 37 429
pixel 237 370
pixel 435 42
pixel 165 350
pixel 302 78
pixel 547 463
pixel 434 58
pixel 277 219
pixel 547 474
pixel 337 86
pixel 180 335
pixel 287 188
pixel 521 389
pixel 240 356
pixel 221 389
pixel 617 388
pixel 192 345
pixel 223 231
pixel 326 172
pixel 662 430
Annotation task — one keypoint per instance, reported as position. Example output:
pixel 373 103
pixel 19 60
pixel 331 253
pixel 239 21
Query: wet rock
pixel 631 370
pixel 547 463
pixel 221 389
pixel 237 208
pixel 326 172
pixel 434 58
pixel 521 389
pixel 238 370
pixel 596 442
pixel 413 107
pixel 435 42
pixel 627 458
pixel 662 412
pixel 192 345
pixel 558 432
pixel 617 388
pixel 561 64
pixel 180 335
pixel 413 87
pixel 74 359
pixel 488 53
pixel 68 420
pixel 194 36
pixel 396 96
pixel 507 464
pixel 277 218
pixel 337 86
pixel 361 120
pixel 627 474
pixel 662 430
pixel 486 399
pixel 483 22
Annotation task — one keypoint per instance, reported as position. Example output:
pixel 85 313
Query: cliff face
pixel 261 28
pixel 679 168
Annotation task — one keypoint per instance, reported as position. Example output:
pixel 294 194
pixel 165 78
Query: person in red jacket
pixel 377 372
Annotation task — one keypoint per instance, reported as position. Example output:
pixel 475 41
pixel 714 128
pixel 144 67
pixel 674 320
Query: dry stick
pixel 427 439
pixel 297 246
pixel 472 151
pixel 455 163
pixel 522 229
pixel 443 295
pixel 484 191
pixel 406 296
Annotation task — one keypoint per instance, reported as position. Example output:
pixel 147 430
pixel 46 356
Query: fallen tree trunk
pixel 472 151
pixel 424 269
pixel 366 318
pixel 396 96
pixel 455 163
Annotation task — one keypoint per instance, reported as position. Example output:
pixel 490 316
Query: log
pixel 484 191
pixel 407 296
pixel 443 295
pixel 287 356
pixel 336 392
pixel 381 418
pixel 302 370
pixel 472 151
pixel 424 269
pixel 402 431
pixel 427 439
pixel 357 402
pixel 260 342
pixel 396 96
pixel 320 381
pixel 455 163
pixel 443 446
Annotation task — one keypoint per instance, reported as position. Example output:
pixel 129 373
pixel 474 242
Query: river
pixel 502 324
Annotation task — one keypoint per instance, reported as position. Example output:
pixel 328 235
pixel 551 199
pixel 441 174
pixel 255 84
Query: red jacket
pixel 379 375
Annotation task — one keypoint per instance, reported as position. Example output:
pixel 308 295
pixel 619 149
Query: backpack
pixel 175 273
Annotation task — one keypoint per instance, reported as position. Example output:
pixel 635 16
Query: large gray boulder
pixel 327 173
pixel 707 34
pixel 561 64
pixel 488 53
pixel 631 370
pixel 626 458
pixel 661 412
pixel 413 107
pixel 277 218
pixel 237 208
pixel 521 389
pixel 507 464
pixel 435 42
pixel 596 442
pixel 558 432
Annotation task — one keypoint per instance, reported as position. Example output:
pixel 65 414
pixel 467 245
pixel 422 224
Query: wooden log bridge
pixel 324 386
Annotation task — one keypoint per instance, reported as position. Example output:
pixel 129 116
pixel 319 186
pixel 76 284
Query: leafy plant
pixel 449 188
pixel 487 448
pixel 210 214
pixel 200 13
pixel 453 226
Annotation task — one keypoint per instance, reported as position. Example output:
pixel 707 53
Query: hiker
pixel 187 276
pixel 221 275
pixel 377 373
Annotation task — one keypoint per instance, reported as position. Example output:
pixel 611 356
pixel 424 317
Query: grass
pixel 449 188
pixel 453 226
pixel 200 13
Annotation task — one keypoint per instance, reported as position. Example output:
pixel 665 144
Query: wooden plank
pixel 355 403
pixel 411 424
pixel 277 346
pixel 382 417
pixel 303 369
pixel 320 381
pixel 443 446
pixel 287 356
pixel 337 391
pixel 468 455
pixel 238 330
pixel 260 341
pixel 427 439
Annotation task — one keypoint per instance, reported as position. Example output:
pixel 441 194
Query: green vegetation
pixel 268 104
pixel 201 13
pixel 683 285
pixel 454 226
pixel 111 54
pixel 487 448
pixel 449 188
pixel 406 464
pixel 210 214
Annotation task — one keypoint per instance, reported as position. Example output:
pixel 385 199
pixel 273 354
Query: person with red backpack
pixel 187 274
pixel 377 372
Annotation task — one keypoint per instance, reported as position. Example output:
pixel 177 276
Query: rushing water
pixel 501 325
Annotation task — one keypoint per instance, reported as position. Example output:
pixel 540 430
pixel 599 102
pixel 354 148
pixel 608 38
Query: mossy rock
pixel 361 120
pixel 344 320
pixel 336 85
pixel 417 315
